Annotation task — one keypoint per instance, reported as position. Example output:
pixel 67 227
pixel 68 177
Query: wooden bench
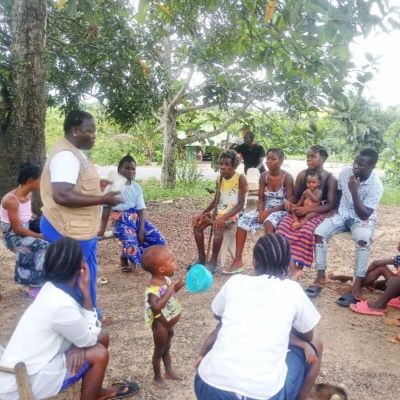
pixel 23 383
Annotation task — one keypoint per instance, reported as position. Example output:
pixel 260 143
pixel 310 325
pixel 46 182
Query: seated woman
pixel 15 216
pixel 59 336
pixel 302 239
pixel 228 202
pixel 130 225
pixel 264 346
pixel 275 186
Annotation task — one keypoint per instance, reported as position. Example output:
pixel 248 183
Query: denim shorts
pixel 297 370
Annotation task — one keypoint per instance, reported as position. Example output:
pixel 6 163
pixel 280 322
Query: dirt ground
pixel 357 353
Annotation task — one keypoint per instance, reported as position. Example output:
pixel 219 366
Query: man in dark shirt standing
pixel 252 153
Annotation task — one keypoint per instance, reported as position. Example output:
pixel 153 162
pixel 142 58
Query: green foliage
pixel 188 172
pixel 391 154
pixel 154 191
pixel 391 196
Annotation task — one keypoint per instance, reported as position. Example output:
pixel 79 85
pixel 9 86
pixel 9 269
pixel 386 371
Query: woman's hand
pixel 219 223
pixel 288 205
pixel 84 280
pixel 262 216
pixel 75 359
pixel 301 211
pixel 197 219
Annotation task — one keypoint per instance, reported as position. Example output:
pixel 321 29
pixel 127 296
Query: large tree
pixel 22 86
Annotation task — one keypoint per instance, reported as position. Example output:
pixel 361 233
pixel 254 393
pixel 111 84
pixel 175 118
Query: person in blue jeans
pixel 263 347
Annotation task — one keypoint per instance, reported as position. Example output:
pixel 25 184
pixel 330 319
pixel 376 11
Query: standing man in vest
pixel 70 191
pixel 252 153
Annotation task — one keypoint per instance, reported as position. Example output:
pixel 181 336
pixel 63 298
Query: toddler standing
pixel 162 308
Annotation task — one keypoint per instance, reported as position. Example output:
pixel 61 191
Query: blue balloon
pixel 198 279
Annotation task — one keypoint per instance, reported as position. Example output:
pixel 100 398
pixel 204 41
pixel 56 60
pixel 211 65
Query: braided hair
pixel 271 255
pixel 126 159
pixel 321 150
pixel 27 171
pixel 63 259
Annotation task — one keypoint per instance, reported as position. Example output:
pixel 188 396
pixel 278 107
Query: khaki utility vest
pixel 79 223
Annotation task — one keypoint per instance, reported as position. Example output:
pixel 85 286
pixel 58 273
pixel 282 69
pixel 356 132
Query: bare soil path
pixel 357 353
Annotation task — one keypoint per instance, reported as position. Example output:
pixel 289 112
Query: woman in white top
pixel 59 336
pixel 263 348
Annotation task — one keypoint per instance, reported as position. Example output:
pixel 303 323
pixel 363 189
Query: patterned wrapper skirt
pixel 302 240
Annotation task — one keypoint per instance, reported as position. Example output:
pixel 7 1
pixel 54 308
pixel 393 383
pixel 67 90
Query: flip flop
pixel 362 307
pixel 313 291
pixel 102 281
pixel 346 299
pixel 124 389
pixel 395 303
pixel 232 271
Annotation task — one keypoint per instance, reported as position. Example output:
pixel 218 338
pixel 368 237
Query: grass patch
pixel 154 191
pixel 391 196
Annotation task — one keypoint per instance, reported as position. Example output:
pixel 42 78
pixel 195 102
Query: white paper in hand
pixel 117 182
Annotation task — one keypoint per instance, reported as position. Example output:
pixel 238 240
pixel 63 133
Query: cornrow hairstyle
pixel 321 150
pixel 75 118
pixel 231 155
pixel 314 174
pixel 279 152
pixel 371 153
pixel 125 159
pixel 28 171
pixel 271 254
pixel 62 260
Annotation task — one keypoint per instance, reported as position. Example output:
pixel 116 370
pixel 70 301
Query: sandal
pixel 346 299
pixel 362 307
pixel 313 291
pixel 395 303
pixel 124 389
pixel 232 271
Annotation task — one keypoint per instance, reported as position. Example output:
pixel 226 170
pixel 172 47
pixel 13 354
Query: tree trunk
pixel 23 139
pixel 168 171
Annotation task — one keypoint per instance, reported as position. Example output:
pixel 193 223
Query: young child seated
pixel 130 225
pixel 228 202
pixel 162 308
pixel 377 269
pixel 310 198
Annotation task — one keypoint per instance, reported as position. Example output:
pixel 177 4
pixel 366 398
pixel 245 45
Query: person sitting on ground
pixel 15 217
pixel 59 337
pixel 311 198
pixel 377 269
pixel 264 346
pixel 223 211
pixel 162 308
pixel 130 225
pixel 252 153
pixel 361 191
pixel 275 186
pixel 390 297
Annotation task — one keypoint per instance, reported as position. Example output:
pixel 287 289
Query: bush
pixel 187 172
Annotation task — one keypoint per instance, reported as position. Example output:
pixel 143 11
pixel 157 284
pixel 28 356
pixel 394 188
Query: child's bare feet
pixel 170 374
pixel 160 383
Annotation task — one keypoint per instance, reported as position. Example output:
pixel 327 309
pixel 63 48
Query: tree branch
pixel 226 124
pixel 196 107
pixel 182 90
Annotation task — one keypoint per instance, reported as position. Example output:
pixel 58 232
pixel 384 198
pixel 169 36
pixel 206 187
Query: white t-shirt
pixel 45 331
pixel 64 167
pixel 258 313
